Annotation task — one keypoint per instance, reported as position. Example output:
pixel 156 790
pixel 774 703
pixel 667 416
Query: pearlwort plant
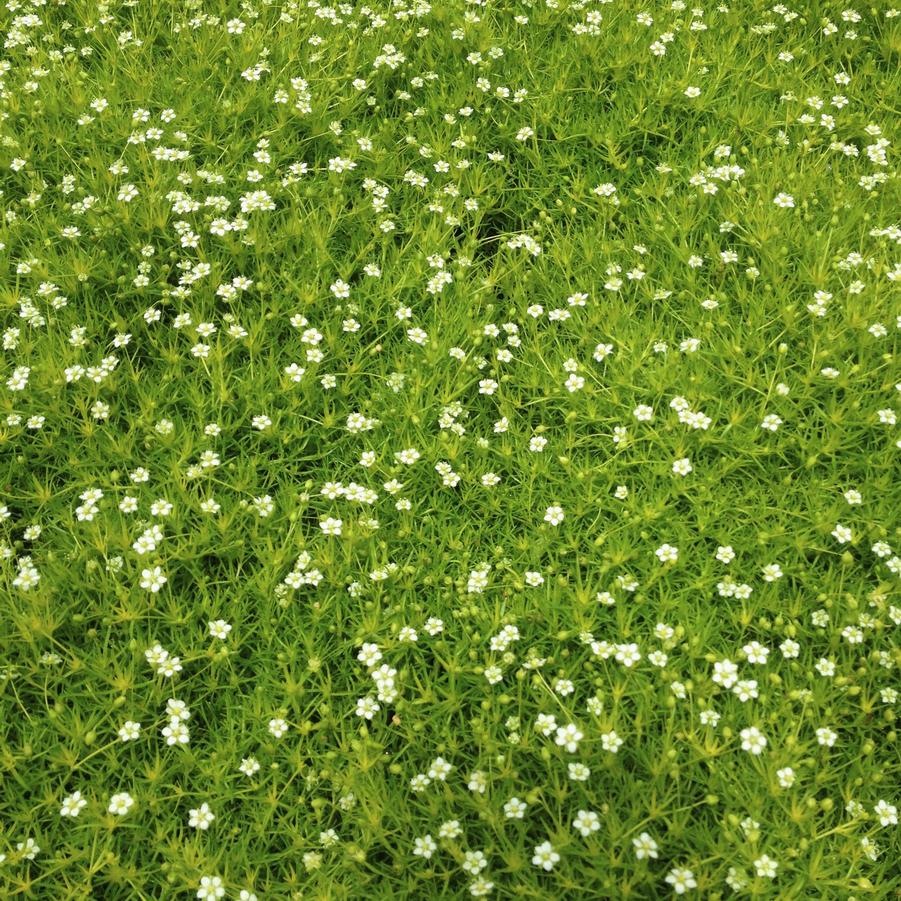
pixel 449 450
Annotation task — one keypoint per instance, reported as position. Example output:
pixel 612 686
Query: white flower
pixel 153 579
pixel 201 817
pixel 611 742
pixel 424 847
pixel 514 809
pixel 369 654
pixel 478 782
pixel 842 534
pixel 725 673
pixel 480 887
pixel 786 777
pixel 887 813
pixel 681 880
pixel 450 829
pixel 474 862
pixel 249 766
pixel 627 654
pixel 756 652
pixel 211 888
pixel 545 723
pixel 29 849
pixel 569 736
pixel 277 727
pixel 72 805
pixel 666 553
pixel 440 769
pixel 554 515
pixel 219 629
pixel 586 822
pixel 176 733
pixel 120 804
pixel 177 710
pixel 331 526
pixel 129 731
pixel 645 846
pixel 766 867
pixel 545 856
pixel 753 740
pixel 725 554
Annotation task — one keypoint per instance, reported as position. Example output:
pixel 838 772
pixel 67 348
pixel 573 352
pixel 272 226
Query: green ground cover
pixel 449 450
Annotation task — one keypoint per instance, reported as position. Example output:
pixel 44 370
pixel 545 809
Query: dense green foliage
pixel 449 451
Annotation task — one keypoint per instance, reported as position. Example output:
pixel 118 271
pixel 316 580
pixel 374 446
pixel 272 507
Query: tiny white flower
pixel 121 803
pixel 545 856
pixel 554 515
